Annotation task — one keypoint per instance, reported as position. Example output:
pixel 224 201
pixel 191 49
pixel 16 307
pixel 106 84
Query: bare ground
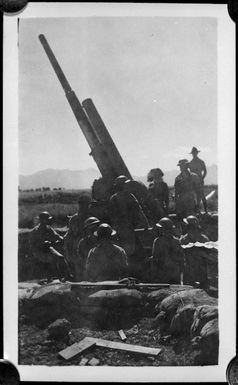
pixel 35 349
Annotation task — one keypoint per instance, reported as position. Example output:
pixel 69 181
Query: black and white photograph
pixel 119 177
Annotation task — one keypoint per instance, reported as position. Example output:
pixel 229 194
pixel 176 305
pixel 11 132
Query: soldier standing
pixel 84 246
pixel 106 261
pixel 167 254
pixel 198 166
pixel 44 240
pixel 126 214
pixel 186 184
pixel 76 229
pixel 158 191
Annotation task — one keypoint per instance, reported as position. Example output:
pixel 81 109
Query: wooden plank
pixel 77 348
pixel 83 362
pixel 94 362
pixel 122 335
pixel 127 347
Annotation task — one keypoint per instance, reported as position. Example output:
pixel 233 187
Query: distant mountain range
pixel 80 179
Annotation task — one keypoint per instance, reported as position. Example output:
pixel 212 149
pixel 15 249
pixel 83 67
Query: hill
pixel 83 179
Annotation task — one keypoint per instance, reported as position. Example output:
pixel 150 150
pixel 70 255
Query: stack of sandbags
pixel 113 308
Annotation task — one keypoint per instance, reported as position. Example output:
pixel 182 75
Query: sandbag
pixel 155 297
pixel 182 320
pixel 50 302
pixel 196 297
pixel 202 315
pixel 117 298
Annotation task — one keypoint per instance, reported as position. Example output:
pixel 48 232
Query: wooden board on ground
pixel 77 348
pixel 122 335
pixel 126 347
pixel 83 361
pixel 94 362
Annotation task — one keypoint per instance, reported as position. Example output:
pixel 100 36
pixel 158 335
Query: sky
pixel 152 79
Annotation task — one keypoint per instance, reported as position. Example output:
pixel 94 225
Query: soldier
pixel 43 240
pixel 126 214
pixel 198 166
pixel 193 231
pixel 158 191
pixel 106 261
pixel 186 183
pixel 167 254
pixel 76 229
pixel 197 265
pixel 85 245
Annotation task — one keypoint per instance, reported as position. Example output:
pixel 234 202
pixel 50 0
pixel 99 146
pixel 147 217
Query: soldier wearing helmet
pixel 186 185
pixel 106 261
pixel 167 254
pixel 85 245
pixel 193 231
pixel 196 265
pixel 198 166
pixel 126 214
pixel 76 228
pixel 44 242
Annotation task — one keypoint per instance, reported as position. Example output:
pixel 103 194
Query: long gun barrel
pixel 103 149
pixel 97 149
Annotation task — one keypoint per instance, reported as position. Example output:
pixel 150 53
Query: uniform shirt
pixel 83 248
pixel 126 209
pixel 160 191
pixel 169 258
pixel 198 166
pixel 40 234
pixel 106 261
pixel 186 183
pixel 193 237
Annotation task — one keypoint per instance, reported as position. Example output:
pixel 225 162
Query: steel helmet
pixel 90 221
pixel 166 223
pixel 104 231
pixel 191 220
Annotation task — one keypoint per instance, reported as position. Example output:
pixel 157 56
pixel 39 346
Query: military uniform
pixel 192 237
pixel 83 248
pixel 185 187
pixel 105 262
pixel 167 259
pixel 197 166
pixel 74 235
pixel 42 241
pixel 159 191
pixel 126 213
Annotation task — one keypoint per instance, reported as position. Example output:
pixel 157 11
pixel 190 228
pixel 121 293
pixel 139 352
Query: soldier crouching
pixel 44 241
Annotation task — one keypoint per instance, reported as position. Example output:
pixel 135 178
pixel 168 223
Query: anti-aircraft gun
pixel 103 149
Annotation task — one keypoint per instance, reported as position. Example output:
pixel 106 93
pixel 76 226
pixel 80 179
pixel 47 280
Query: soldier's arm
pixel 55 237
pixel 141 216
pixel 155 250
pixel 166 197
pixel 204 170
pixel 89 267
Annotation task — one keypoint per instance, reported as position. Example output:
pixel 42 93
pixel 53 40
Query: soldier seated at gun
pixel 106 261
pixel 196 269
pixel 167 261
pixel 76 230
pixel 84 246
pixel 193 231
pixel 126 214
pixel 44 241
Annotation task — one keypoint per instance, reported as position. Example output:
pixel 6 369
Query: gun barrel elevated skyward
pixel 103 149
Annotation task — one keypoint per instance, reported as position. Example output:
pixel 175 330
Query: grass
pixel 62 203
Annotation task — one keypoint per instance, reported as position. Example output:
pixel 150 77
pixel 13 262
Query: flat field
pixel 61 203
